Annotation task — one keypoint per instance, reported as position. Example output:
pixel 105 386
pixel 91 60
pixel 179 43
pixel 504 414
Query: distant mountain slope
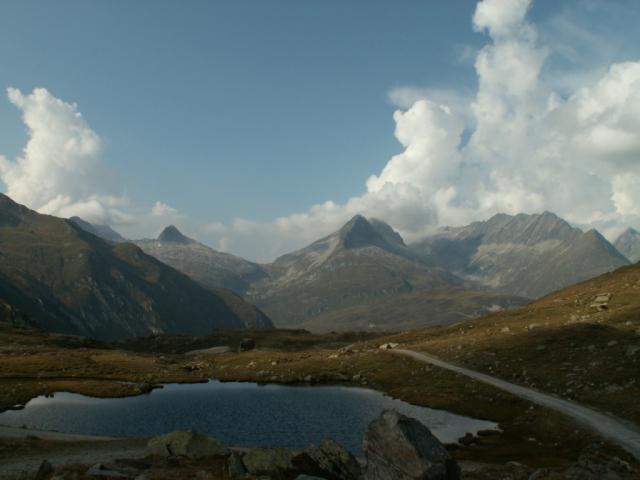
pixel 525 255
pixel 207 266
pixel 628 243
pixel 344 281
pixel 102 231
pixel 70 281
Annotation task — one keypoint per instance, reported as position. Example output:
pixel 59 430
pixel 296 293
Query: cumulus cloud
pixel 575 151
pixel 160 209
pixel 60 171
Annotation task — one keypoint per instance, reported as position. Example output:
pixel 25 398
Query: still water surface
pixel 236 413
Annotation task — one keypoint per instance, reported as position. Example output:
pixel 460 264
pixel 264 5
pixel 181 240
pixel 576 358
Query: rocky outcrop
pixel 401 448
pixel 186 444
pixel 328 460
pixel 273 462
pixel 396 448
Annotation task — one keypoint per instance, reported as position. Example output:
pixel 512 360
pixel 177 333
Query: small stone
pixel 467 440
pixel 99 470
pixel 247 344
pixel 541 473
pixel 632 350
pixel 235 467
pixel 44 470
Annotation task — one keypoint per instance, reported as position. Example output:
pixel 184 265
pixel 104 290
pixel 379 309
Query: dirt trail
pixel 620 432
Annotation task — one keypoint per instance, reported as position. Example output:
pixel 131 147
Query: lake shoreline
pixel 48 363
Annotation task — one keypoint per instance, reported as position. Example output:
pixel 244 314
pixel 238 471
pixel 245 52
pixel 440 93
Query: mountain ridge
pixel 628 243
pixel 202 263
pixel 526 255
pixel 362 267
pixel 68 280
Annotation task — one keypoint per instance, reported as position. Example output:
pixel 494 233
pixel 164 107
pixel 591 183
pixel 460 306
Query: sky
pixel 260 126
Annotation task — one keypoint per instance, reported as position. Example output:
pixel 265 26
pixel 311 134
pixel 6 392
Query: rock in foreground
pixel 329 461
pixel 401 448
pixel 186 444
pixel 272 462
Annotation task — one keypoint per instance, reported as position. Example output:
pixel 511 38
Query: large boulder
pixel 272 462
pixel 186 444
pixel 329 461
pixel 401 448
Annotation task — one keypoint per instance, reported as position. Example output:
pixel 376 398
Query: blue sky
pixel 236 108
pixel 261 109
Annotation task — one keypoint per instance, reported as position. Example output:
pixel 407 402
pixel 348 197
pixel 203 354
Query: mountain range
pixel 68 280
pixel 364 275
pixel 206 265
pixel 525 255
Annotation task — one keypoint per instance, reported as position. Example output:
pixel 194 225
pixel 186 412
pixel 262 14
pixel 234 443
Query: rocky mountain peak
pixel 628 243
pixel 359 232
pixel 388 233
pixel 172 234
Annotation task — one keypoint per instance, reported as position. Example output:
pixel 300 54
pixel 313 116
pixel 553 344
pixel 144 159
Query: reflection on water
pixel 237 413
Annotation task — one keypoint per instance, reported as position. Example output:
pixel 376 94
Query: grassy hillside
pixel 562 343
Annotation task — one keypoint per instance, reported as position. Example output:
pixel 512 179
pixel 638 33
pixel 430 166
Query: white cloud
pixel 502 18
pixel 60 171
pixel 626 194
pixel 160 209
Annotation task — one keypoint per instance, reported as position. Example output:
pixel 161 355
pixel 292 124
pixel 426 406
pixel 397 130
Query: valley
pixel 560 344
pixel 359 288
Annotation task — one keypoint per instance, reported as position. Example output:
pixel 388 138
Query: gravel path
pixel 620 432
